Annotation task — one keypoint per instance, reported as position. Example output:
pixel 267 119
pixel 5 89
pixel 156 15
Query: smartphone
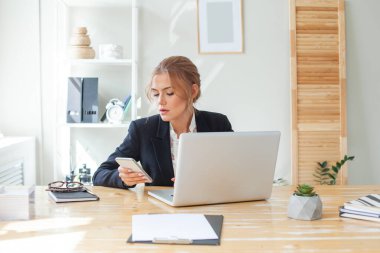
pixel 133 165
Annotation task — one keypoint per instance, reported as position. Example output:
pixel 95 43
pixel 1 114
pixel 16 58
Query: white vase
pixel 305 208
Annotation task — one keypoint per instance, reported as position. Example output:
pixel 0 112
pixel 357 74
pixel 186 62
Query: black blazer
pixel 148 141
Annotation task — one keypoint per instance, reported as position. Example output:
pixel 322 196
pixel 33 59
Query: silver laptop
pixel 222 167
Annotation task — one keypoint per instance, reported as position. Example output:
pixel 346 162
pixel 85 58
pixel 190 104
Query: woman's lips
pixel 164 111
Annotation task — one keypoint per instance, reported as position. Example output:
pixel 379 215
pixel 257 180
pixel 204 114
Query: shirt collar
pixel 192 127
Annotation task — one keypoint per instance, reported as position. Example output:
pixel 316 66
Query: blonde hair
pixel 182 73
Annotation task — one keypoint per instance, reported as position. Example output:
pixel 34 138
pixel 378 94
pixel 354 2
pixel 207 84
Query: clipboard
pixel 216 222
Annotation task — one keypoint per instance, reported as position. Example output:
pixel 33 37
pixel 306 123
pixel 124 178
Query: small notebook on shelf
pixel 363 208
pixel 60 197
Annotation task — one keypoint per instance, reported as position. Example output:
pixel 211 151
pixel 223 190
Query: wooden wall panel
pixel 318 77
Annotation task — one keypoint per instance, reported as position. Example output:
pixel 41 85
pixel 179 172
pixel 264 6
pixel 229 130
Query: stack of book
pixel 364 208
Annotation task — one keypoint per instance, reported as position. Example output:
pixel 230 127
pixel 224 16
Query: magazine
pixel 369 203
pixel 358 216
pixel 363 208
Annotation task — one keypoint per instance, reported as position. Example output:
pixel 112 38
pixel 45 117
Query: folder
pixel 82 100
pixel 90 107
pixel 216 222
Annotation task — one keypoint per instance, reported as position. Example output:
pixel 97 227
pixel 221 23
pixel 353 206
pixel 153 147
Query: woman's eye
pixel 170 93
pixel 155 95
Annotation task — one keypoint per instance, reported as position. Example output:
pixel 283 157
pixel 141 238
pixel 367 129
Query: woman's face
pixel 170 105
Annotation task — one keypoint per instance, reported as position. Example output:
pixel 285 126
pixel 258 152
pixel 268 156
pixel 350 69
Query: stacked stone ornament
pixel 80 44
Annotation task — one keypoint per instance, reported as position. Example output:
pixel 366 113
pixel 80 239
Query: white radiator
pixel 17 161
pixel 12 173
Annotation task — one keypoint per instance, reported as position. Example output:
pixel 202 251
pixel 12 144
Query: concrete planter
pixel 305 208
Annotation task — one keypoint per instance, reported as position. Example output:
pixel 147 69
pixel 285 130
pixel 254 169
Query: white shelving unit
pixel 107 21
pixel 119 62
pixel 100 125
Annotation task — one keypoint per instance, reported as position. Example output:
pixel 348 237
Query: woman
pixel 174 88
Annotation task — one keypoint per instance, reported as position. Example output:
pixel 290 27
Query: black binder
pixel 82 100
pixel 216 222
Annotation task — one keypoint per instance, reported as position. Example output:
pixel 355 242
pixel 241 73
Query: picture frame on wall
pixel 220 26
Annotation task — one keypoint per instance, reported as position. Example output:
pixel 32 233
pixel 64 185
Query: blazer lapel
pixel 161 146
pixel 202 125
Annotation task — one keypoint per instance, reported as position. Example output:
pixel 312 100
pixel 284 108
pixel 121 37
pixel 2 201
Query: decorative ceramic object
pixel 80 40
pixel 305 204
pixel 80 44
pixel 110 51
pixel 79 52
pixel 80 29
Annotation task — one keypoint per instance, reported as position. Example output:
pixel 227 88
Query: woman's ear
pixel 194 90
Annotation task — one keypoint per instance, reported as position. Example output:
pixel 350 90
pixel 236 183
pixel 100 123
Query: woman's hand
pixel 129 177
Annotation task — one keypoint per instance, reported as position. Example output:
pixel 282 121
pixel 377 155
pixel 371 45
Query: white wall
pixel 20 91
pixel 252 88
pixel 363 90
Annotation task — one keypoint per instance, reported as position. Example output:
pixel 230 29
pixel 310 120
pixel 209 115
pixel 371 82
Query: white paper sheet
pixel 147 227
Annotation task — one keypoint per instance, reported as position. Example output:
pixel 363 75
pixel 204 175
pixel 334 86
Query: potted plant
pixel 305 204
pixel 326 175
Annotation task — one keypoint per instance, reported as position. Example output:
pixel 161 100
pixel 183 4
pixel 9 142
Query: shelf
pixel 120 62
pixel 79 143
pixel 97 125
pixel 96 3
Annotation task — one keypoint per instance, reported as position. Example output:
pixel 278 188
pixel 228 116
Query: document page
pixel 148 227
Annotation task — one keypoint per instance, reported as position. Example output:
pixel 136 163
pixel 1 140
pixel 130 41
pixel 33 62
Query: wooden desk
pixel 260 226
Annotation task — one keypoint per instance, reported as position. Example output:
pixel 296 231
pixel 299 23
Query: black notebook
pixel 60 197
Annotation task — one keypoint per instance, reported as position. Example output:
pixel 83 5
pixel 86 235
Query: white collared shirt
pixel 174 141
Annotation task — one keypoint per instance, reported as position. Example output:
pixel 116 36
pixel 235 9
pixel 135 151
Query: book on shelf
pixel 60 197
pixel 127 103
pixel 365 208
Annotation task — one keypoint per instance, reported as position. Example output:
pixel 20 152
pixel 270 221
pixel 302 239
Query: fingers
pixel 131 178
pixel 173 179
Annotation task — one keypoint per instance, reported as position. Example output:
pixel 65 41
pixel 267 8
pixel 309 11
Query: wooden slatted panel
pixel 318 86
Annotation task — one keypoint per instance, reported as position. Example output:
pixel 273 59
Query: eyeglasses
pixel 60 186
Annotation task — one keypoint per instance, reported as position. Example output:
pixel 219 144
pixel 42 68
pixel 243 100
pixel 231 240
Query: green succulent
pixel 305 190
